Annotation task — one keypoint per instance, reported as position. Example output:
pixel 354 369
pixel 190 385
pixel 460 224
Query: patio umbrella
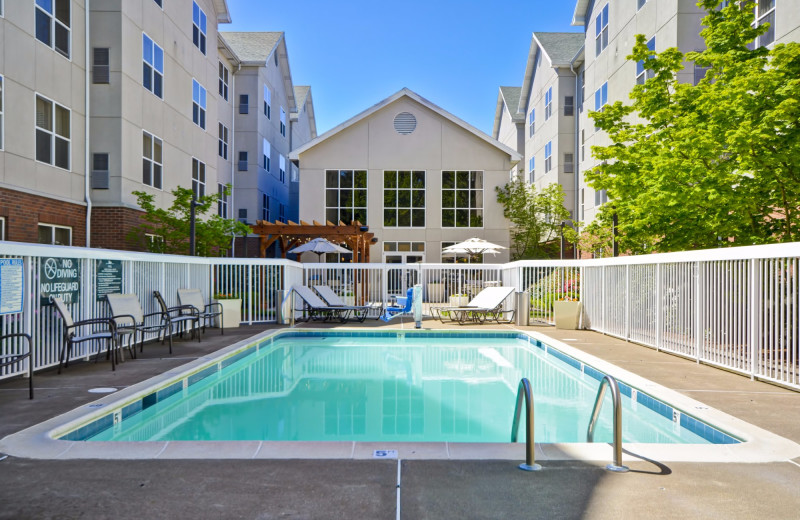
pixel 473 246
pixel 319 246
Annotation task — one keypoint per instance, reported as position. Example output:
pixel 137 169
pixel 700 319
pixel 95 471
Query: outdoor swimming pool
pixel 388 386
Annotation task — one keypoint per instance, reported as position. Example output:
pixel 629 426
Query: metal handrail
pixel 609 382
pixel 524 391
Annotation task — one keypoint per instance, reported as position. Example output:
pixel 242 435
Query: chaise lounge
pixel 486 304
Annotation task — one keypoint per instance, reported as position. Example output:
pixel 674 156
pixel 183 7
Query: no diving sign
pixel 60 277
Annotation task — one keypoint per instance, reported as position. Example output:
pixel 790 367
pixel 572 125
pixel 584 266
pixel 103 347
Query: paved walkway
pixel 428 489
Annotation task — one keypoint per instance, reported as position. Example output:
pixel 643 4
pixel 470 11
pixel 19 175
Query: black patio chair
pixel 180 315
pixel 101 329
pixel 19 356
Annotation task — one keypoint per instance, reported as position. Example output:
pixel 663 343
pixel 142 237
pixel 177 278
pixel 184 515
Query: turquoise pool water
pixel 418 388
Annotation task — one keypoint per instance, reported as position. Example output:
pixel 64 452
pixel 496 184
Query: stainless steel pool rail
pixel 524 392
pixel 609 382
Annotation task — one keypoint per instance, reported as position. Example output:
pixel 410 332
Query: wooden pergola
pixel 355 236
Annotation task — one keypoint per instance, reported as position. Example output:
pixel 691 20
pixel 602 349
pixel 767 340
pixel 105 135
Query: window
pixel 100 66
pixel 640 4
pixel 264 207
pixel 531 169
pixel 198 27
pixel 583 202
pixel 583 142
pixel 244 102
pixel 243 214
pixel 223 141
pixel 282 168
pixel 346 196
pixel 152 163
pixel 1 112
pixel 403 198
pixel 532 123
pixel 222 201
pixel 55 235
pixel 601 31
pixel 266 154
pixel 582 97
pixel 601 96
pixel 600 197
pixel 548 103
pixel 153 66
pixel 282 213
pixel 569 163
pixel 223 81
pixel 548 156
pixel 643 74
pixel 159 3
pixel 267 102
pixel 242 161
pixel 52 133
pixel 569 105
pixel 155 243
pixel 99 179
pixel 198 178
pixel 462 199
pixel 198 104
pixel 765 14
pixel 53 24
pixel 2 219
pixel 283 122
pixel 699 73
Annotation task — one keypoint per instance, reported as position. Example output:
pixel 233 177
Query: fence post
pixel 753 312
pixel 659 309
pixel 698 311
pixel 627 302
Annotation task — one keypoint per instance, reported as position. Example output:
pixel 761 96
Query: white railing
pixel 735 308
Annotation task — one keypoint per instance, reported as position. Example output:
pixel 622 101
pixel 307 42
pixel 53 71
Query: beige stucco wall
pixel 436 144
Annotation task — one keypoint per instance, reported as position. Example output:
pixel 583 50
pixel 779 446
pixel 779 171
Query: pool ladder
pixel 524 392
pixel 609 382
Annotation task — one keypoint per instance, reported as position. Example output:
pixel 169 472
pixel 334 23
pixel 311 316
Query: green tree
pixel 171 225
pixel 707 165
pixel 535 216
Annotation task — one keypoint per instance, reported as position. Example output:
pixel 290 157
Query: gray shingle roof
pixel 560 47
pixel 252 46
pixel 300 93
pixel 511 96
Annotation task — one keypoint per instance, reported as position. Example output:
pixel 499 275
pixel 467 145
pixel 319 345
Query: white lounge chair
pixel 317 308
pixel 359 311
pixel 486 304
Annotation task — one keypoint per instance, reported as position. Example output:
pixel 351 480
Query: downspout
pixel 86 99
pixel 576 162
pixel 231 152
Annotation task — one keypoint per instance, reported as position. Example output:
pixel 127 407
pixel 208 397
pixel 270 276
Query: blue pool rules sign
pixel 11 278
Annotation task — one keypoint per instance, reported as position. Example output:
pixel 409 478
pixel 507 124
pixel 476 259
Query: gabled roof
pixel 302 94
pixel 508 97
pixel 579 16
pixel 223 13
pixel 405 92
pixel 253 47
pixel 559 48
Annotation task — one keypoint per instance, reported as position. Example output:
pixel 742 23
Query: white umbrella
pixel 458 251
pixel 319 246
pixel 473 246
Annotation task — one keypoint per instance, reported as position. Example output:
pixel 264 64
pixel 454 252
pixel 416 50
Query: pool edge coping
pixel 37 442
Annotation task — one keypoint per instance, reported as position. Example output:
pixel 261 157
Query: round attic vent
pixel 405 123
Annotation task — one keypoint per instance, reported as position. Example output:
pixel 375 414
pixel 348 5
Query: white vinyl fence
pixel 735 308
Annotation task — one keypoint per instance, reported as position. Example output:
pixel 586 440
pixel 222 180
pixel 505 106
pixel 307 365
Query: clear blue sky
pixel 354 53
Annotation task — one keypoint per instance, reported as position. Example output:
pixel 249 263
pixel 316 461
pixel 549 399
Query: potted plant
pixel 459 300
pixel 231 310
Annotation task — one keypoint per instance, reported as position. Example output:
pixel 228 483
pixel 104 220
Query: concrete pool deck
pixel 428 488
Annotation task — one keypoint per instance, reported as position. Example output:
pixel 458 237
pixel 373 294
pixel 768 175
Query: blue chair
pixel 404 306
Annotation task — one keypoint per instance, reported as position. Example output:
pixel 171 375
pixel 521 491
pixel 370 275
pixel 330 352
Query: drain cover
pixel 102 390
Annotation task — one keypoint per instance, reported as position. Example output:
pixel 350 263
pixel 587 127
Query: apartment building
pixel 158 85
pixel 418 176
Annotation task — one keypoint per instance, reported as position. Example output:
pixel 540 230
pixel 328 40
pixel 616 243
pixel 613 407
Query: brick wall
pixel 24 212
pixel 111 228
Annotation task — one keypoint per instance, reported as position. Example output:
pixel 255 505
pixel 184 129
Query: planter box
pixel 231 313
pixel 567 314
pixel 458 301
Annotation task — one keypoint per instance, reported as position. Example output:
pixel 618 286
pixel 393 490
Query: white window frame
pixel 283 122
pixel 410 207
pixel 643 74
pixel 469 207
pixel 198 178
pixel 199 99
pixel 267 102
pixel 548 103
pixel 53 228
pixel 53 24
pixel 601 97
pixel 223 140
pixel 224 76
pixel 199 27
pixel 222 200
pixel 339 189
pixel 153 162
pixel 548 156
pixel 569 162
pixel 154 71
pixel 532 123
pixel 601 31
pixel 768 16
pixel 266 155
pixel 52 133
pixel 570 106
pixel 282 168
